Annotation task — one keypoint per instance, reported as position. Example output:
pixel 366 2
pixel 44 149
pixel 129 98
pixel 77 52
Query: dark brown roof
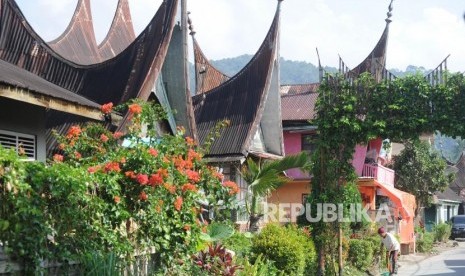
pixel 120 34
pixel 207 76
pixel 459 182
pixel 129 75
pixel 77 43
pixel 298 107
pixel 448 194
pixel 16 77
pixel 289 89
pixel 241 100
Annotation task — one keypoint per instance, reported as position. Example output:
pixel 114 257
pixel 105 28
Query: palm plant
pixel 263 177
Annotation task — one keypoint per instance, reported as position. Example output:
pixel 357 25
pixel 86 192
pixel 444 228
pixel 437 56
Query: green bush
pixel 376 246
pixel 425 242
pixel 360 254
pixel 442 232
pixel 261 267
pixel 288 247
pixel 240 243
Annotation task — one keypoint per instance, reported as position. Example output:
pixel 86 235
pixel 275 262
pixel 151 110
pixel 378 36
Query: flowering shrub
pixel 141 197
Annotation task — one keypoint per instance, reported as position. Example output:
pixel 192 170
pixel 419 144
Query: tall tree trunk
pixel 321 261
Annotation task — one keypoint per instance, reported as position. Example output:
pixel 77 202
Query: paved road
pixel 448 263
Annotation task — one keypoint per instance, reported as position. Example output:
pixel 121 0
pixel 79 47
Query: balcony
pixel 382 174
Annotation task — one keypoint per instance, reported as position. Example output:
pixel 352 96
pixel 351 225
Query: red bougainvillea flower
pixel 193 176
pixel 77 155
pixel 189 187
pixel 170 188
pixel 143 179
pixel 103 138
pixel 130 174
pixel 107 108
pixel 73 132
pixel 153 152
pixel 178 203
pixel 163 172
pixel 112 167
pixel 233 188
pixel 117 199
pixel 135 108
pixel 58 158
pixel 117 135
pixel 143 196
pixel 155 179
pixel 193 155
pixel 190 142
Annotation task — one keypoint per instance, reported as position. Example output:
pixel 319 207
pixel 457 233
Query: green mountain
pixel 292 72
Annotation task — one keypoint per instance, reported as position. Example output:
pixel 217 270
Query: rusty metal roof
pixel 14 76
pixel 290 89
pixel 77 43
pixel 129 75
pixel 207 76
pixel 120 34
pixel 240 100
pixel 298 107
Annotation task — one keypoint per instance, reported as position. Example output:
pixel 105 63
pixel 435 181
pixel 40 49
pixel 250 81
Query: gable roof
pixel 248 100
pixel 459 182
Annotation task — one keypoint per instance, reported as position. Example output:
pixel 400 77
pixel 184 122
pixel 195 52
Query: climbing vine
pixel 351 112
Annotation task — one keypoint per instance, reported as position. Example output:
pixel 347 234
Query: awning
pixel 405 202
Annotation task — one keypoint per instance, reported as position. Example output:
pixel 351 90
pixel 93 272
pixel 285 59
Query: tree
pixel 420 170
pixel 265 176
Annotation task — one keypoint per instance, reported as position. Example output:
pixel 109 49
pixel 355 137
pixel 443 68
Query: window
pixel 24 144
pixel 308 143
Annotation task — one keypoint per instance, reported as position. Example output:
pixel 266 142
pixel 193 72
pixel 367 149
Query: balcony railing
pixel 380 173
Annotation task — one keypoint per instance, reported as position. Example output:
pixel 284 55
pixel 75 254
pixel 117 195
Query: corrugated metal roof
pixel 129 75
pixel 77 43
pixel 12 75
pixel 120 34
pixel 207 76
pixel 289 89
pixel 298 107
pixel 448 194
pixel 240 100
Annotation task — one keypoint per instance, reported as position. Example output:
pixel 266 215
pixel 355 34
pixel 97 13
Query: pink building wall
pixel 359 158
pixel 293 145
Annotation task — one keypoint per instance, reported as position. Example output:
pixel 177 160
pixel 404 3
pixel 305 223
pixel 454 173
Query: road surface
pixel 447 263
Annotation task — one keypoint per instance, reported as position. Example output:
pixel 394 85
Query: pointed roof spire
pixel 375 62
pixel 77 43
pixel 120 34
pixel 246 100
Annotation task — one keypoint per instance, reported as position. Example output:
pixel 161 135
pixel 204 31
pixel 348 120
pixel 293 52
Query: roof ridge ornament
pixel 389 13
pixel 191 26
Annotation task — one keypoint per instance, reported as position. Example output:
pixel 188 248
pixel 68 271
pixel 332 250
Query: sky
pixel 422 32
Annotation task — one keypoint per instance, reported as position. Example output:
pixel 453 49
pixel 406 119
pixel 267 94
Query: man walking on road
pixel 392 249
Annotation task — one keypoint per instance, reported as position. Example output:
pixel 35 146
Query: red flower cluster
pixel 193 155
pixel 117 199
pixel 103 138
pixel 107 108
pixel 153 152
pixel 233 188
pixel 58 158
pixel 93 169
pixel 143 196
pixel 143 179
pixel 77 155
pixel 130 174
pixel 112 167
pixel 135 108
pixel 155 179
pixel 117 135
pixel 193 176
pixel 178 203
pixel 73 132
pixel 171 188
pixel 189 187
pixel 190 142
